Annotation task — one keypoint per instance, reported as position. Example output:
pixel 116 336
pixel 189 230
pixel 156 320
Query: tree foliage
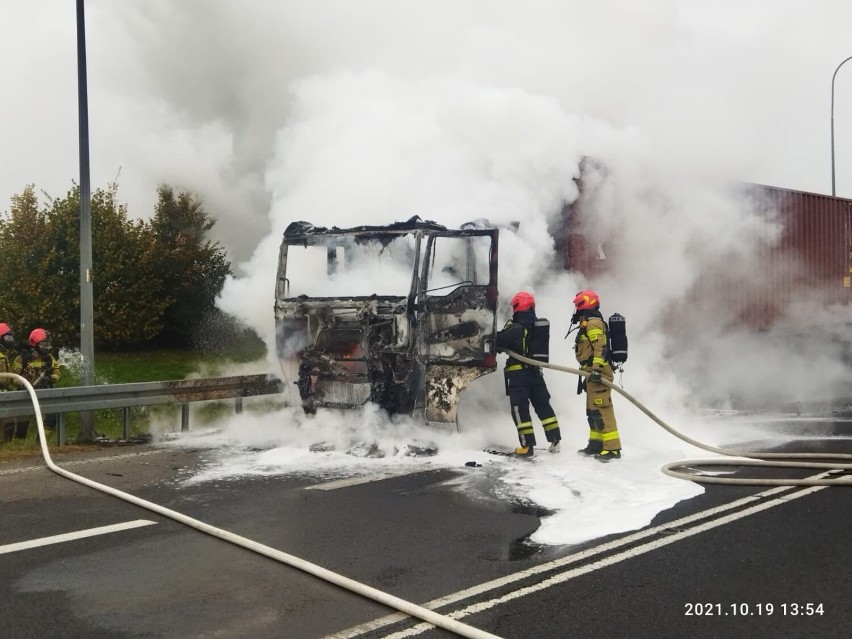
pixel 194 269
pixel 152 281
pixel 26 254
pixel 128 287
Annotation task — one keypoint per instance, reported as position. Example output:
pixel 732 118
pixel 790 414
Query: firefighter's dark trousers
pixel 524 387
pixel 14 428
pixel 603 429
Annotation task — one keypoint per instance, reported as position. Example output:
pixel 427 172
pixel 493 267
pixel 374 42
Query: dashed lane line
pixel 366 479
pixel 80 534
pixel 672 530
pixel 604 562
pixel 91 460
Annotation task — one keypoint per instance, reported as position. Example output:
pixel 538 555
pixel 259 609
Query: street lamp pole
pixel 86 291
pixel 833 191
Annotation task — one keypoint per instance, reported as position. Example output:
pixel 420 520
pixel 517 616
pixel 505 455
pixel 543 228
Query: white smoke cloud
pixel 358 113
pixel 726 84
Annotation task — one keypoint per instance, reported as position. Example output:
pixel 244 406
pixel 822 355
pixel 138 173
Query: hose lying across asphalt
pixel 434 618
pixel 752 458
pixel 430 616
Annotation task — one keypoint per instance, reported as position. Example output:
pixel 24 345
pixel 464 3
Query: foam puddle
pixel 587 499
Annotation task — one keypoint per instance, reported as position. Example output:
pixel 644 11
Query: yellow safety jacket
pixel 40 372
pixel 591 347
pixel 7 366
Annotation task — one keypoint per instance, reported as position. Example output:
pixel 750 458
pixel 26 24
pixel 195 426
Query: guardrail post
pixel 60 430
pixel 238 405
pixel 125 420
pixel 184 417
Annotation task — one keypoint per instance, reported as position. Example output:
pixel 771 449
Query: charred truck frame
pixel 414 346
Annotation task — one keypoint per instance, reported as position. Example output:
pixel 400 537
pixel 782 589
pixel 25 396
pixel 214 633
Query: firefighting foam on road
pixel 575 490
pixel 582 499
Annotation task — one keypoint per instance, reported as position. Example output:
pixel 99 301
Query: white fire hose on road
pixel 434 618
pixel 753 458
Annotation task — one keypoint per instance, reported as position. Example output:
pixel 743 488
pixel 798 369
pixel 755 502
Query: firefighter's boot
pixel 608 455
pixel 592 448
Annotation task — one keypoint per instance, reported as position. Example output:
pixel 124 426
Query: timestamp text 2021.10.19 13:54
pixel 787 609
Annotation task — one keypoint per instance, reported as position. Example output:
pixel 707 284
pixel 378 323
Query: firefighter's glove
pixel 595 376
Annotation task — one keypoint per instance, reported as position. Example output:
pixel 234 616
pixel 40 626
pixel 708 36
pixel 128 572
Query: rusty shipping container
pixel 809 263
pixel 812 261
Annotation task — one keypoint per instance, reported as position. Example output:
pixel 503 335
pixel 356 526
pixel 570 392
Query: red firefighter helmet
pixel 4 329
pixel 38 335
pixel 585 300
pixel 523 301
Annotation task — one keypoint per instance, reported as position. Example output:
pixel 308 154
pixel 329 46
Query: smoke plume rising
pixel 366 113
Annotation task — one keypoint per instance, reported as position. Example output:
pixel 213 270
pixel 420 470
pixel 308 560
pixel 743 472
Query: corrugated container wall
pixel 816 238
pixel 810 263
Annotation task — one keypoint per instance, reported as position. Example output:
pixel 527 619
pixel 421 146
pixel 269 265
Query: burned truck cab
pixel 402 315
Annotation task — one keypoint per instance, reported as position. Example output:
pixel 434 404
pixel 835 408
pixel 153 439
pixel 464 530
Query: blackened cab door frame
pixel 457 327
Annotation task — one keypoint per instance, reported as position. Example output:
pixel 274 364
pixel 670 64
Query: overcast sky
pixel 194 93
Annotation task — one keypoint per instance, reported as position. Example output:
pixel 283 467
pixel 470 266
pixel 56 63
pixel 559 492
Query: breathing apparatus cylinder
pixel 539 347
pixel 617 339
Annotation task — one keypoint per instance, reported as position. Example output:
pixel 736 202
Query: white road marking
pixel 92 460
pixel 354 481
pixel 80 534
pixel 778 497
pixel 606 561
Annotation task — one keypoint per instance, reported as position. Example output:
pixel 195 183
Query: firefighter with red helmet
pixel 13 427
pixel 8 352
pixel 591 349
pixel 525 382
pixel 38 366
pixel 37 363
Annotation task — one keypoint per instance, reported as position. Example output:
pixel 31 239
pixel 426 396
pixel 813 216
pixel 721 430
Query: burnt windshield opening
pixel 350 267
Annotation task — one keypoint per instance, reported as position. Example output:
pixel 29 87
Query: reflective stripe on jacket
pixel 591 348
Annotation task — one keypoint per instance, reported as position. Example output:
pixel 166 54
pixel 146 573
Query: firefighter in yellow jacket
pixel 38 365
pixel 592 351
pixel 13 427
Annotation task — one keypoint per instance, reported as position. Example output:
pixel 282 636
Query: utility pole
pixel 87 349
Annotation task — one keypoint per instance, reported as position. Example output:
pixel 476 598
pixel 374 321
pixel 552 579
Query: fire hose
pixel 775 460
pixel 430 616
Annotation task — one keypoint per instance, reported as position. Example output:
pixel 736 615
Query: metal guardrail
pixel 86 398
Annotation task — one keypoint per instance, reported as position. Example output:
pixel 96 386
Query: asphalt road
pixel 733 562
